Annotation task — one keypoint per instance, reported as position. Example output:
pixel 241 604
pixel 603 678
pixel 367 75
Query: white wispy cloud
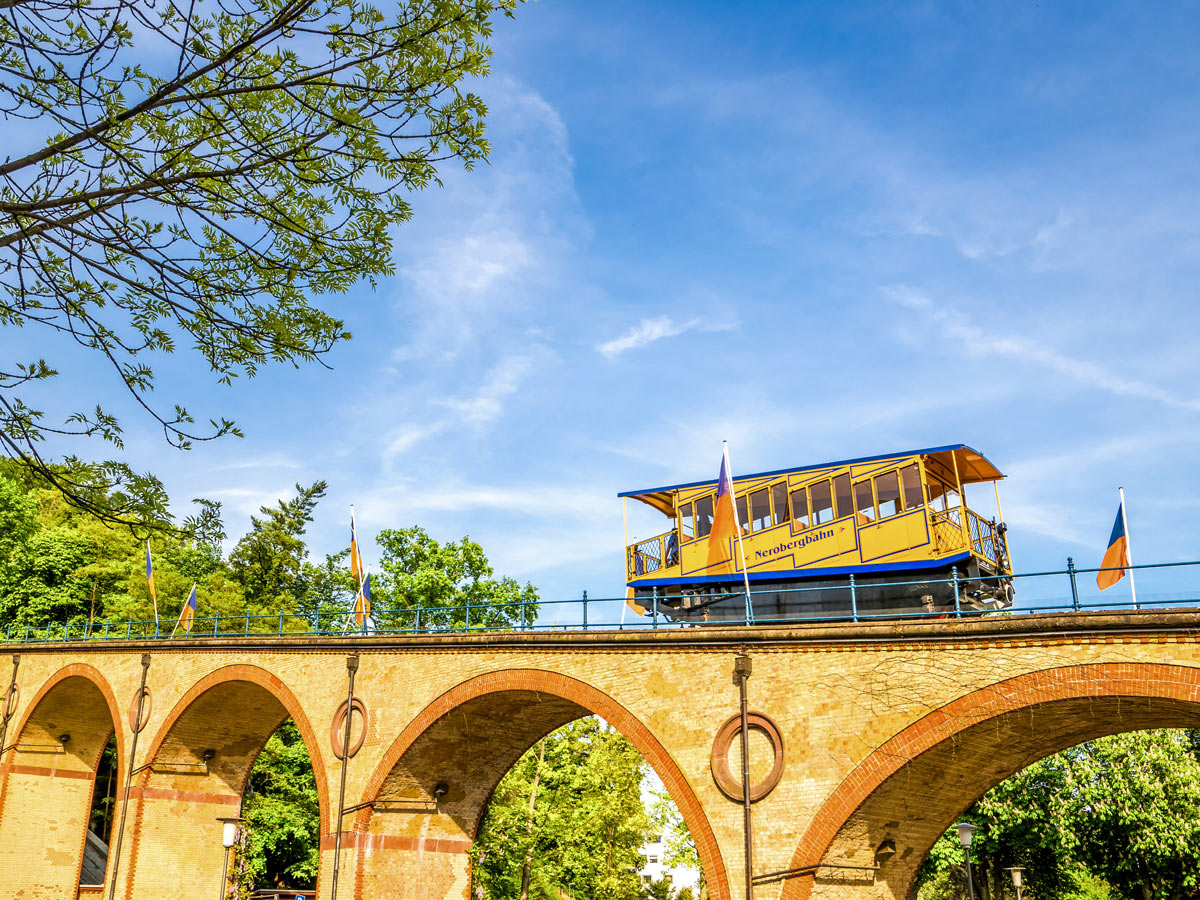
pixel 263 461
pixel 493 241
pixel 958 327
pixel 527 527
pixel 247 501
pixel 648 331
pixel 486 404
pixel 476 409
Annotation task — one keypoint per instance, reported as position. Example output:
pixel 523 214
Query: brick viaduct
pixel 890 731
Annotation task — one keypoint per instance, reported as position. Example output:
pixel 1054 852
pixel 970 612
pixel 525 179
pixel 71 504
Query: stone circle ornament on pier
pixel 338 728
pixel 136 725
pixel 731 786
pixel 11 699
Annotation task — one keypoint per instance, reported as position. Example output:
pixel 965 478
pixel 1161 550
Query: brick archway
pixel 508 694
pixel 912 787
pixel 232 710
pixel 58 786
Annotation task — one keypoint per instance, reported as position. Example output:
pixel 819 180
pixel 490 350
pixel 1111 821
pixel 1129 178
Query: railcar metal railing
pixel 1063 591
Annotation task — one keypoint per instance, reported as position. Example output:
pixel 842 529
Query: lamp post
pixel 965 832
pixel 1018 877
pixel 232 826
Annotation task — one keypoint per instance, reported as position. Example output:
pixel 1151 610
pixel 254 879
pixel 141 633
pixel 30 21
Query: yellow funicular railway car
pixel 899 517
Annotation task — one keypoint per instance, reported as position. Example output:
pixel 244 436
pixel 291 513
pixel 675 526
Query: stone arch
pixel 530 703
pixel 232 712
pixel 916 784
pixel 46 786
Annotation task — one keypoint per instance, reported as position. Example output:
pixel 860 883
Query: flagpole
pixel 153 592
pixel 365 612
pixel 741 550
pixel 1128 549
pixel 355 557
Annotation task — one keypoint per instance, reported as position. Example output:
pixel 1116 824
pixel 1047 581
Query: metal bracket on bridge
pixel 59 747
pixel 179 768
pixel 772 877
pixel 34 748
pixel 397 805
pixel 405 804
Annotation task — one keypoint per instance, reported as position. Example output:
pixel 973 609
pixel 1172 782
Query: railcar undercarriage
pixel 924 593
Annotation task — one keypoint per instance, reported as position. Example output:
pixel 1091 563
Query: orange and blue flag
pixel 362 603
pixel 187 615
pixel 150 573
pixel 1116 557
pixel 725 523
pixel 356 566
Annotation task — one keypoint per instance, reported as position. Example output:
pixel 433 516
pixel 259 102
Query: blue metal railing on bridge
pixel 1067 594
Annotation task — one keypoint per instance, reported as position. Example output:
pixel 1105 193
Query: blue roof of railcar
pixel 825 465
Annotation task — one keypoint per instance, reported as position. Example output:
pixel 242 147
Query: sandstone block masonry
pixel 889 730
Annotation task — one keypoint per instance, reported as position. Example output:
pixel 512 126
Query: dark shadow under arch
pixel 76 701
pixel 475 732
pixel 912 787
pixel 232 711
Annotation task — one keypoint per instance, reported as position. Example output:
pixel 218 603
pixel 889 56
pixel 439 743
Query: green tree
pixel 1121 811
pixel 283 814
pixel 569 813
pixel 451 584
pixel 1136 812
pixel 59 564
pixel 268 561
pixel 326 591
pixel 204 196
pixel 679 850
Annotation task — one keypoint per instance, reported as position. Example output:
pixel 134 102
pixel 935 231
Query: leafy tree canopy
pixel 59 564
pixel 270 559
pixel 1119 814
pixel 569 814
pixel 283 814
pixel 449 583
pixel 195 175
pixel 679 850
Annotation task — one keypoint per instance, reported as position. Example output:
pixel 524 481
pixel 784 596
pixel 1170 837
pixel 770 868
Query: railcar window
pixel 841 491
pixel 937 494
pixel 910 480
pixel 887 491
pixel 800 507
pixel 822 502
pixel 742 518
pixel 864 503
pixel 779 502
pixel 704 516
pixel 687 521
pixel 760 510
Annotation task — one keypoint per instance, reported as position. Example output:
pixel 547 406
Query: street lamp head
pixel 229 831
pixel 1018 874
pixel 965 832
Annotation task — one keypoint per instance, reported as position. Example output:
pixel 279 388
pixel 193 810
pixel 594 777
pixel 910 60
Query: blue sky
pixel 816 230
